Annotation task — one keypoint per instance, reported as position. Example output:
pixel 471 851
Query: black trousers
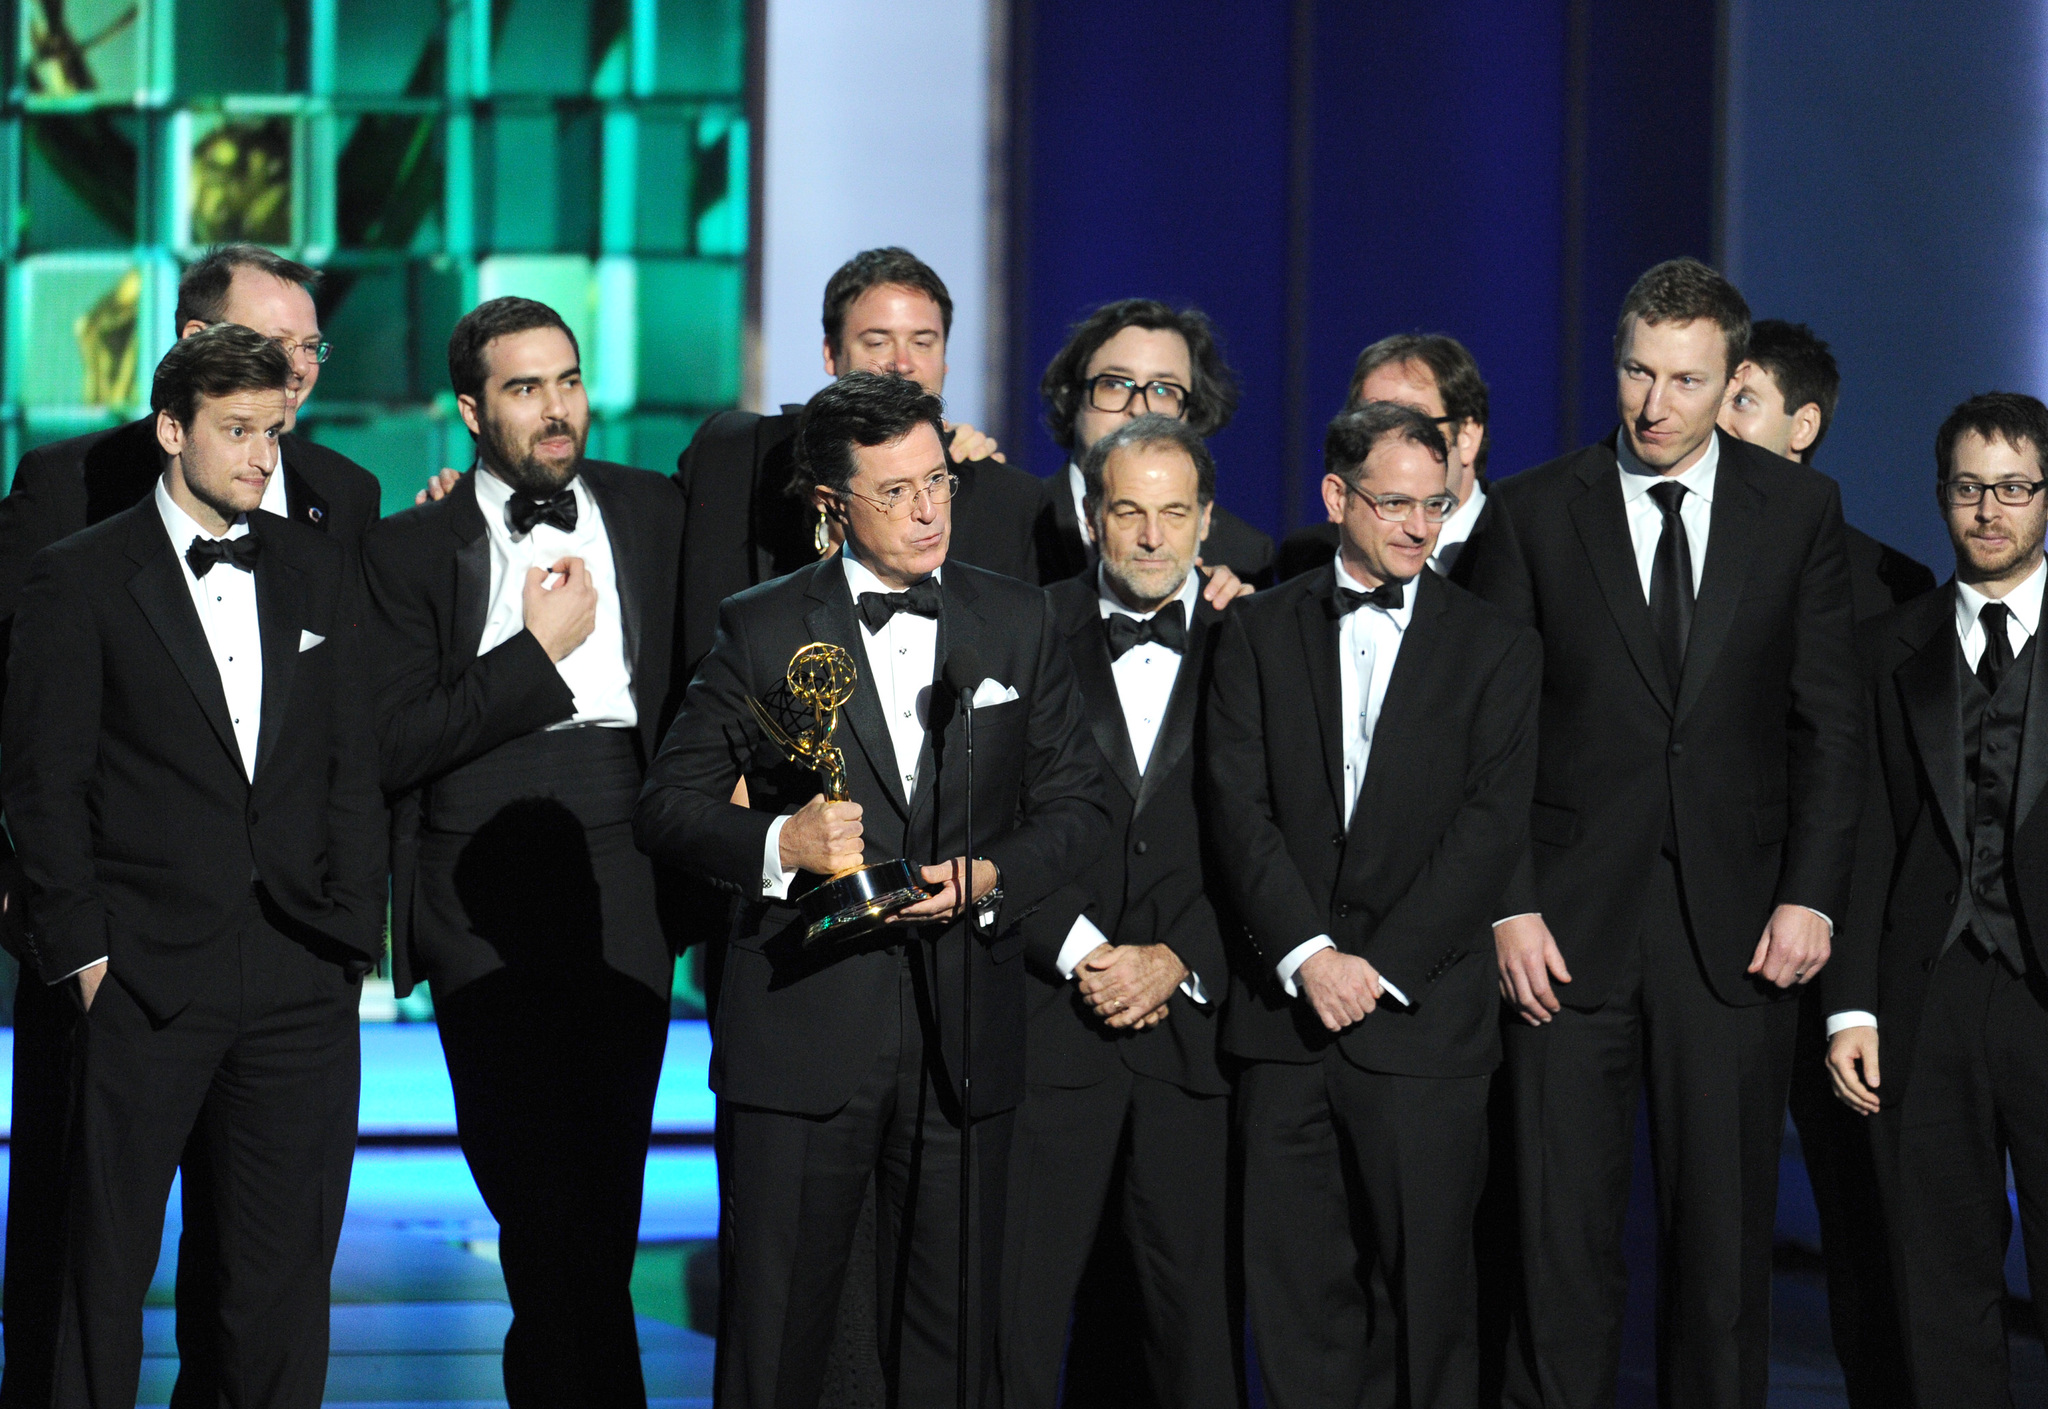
pixel 1717 1077
pixel 1977 1093
pixel 266 1065
pixel 1359 1195
pixel 1161 1153
pixel 1862 1309
pixel 554 1076
pixel 790 1192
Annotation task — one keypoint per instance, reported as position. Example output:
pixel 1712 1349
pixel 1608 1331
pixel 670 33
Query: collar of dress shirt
pixel 860 579
pixel 275 500
pixel 2024 602
pixel 1111 604
pixel 1636 477
pixel 493 494
pixel 1399 616
pixel 182 528
pixel 1458 527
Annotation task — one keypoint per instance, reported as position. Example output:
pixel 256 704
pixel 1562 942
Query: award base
pixel 856 900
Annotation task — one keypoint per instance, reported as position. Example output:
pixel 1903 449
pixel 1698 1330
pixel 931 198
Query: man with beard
pixel 521 632
pixel 57 490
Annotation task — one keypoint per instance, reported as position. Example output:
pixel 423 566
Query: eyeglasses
pixel 899 499
pixel 1398 508
pixel 1967 493
pixel 315 349
pixel 1111 393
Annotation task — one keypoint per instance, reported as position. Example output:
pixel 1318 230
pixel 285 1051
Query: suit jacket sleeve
pixel 1826 728
pixel 357 854
pixel 1061 817
pixel 1046 929
pixel 426 727
pixel 1849 979
pixel 48 749
pixel 1257 871
pixel 1500 575
pixel 1454 896
pixel 686 814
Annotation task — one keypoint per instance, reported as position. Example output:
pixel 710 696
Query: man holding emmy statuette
pixel 840 697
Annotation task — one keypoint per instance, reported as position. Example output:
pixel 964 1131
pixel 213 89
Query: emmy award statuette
pixel 821 677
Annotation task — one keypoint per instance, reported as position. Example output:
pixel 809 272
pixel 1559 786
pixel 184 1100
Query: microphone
pixel 962 673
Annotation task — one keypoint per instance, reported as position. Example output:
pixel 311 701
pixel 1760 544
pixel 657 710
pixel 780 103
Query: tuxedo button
pixel 1344 911
pixel 1949 899
pixel 1139 847
pixel 1677 750
pixel 1336 839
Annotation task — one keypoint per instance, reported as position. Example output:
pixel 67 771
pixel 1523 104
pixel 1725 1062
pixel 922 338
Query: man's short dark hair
pixel 498 318
pixel 1456 374
pixel 2010 416
pixel 871 269
pixel 1140 433
pixel 1801 367
pixel 215 362
pixel 1355 433
pixel 203 288
pixel 859 409
pixel 1681 290
pixel 1212 400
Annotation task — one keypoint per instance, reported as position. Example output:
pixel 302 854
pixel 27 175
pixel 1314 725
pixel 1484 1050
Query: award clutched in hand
pixel 821 678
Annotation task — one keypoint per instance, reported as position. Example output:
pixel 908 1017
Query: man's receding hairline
pixel 846 319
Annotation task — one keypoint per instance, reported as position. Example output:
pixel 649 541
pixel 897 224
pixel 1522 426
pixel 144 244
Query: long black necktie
pixel 1997 657
pixel 1671 580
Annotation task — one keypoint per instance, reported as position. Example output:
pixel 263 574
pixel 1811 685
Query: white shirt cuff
pixel 1387 990
pixel 774 880
pixel 1505 918
pixel 1192 987
pixel 79 970
pixel 1830 923
pixel 1848 1018
pixel 1296 957
pixel 1082 941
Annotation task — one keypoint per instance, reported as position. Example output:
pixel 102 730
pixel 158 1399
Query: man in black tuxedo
pixel 58 489
pixel 522 628
pixel 1691 838
pixel 190 775
pixel 1371 750
pixel 886 311
pixel 1130 358
pixel 1938 1022
pixel 1784 399
pixel 1124 1103
pixel 840 1061
pixel 1433 373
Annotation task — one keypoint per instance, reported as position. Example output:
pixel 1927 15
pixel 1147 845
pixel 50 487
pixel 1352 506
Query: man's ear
pixel 1333 498
pixel 1208 513
pixel 466 404
pixel 1470 435
pixel 828 504
pixel 170 436
pixel 1805 428
pixel 831 359
pixel 192 325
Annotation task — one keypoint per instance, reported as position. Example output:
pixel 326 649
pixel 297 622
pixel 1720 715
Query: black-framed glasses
pixel 1113 393
pixel 2013 493
pixel 899 499
pixel 1399 508
pixel 312 349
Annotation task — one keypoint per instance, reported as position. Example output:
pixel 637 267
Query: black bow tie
pixel 1168 626
pixel 205 552
pixel 1387 597
pixel 524 510
pixel 877 607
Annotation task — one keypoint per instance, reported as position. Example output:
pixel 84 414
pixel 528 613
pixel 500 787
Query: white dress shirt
pixel 901 660
pixel 1450 539
pixel 1368 640
pixel 1078 487
pixel 2024 606
pixel 597 671
pixel 226 602
pixel 1145 676
pixel 1646 520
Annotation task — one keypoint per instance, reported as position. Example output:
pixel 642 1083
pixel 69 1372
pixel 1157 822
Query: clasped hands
pixel 1130 985
pixel 824 837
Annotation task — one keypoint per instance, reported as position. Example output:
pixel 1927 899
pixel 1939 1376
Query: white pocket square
pixel 307 640
pixel 992 691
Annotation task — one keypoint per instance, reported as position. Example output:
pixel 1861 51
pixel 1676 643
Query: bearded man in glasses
pixel 1127 359
pixel 1371 755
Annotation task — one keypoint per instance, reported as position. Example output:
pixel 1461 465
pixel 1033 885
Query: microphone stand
pixel 966 1069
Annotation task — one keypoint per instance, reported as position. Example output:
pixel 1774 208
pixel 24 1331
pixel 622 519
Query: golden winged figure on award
pixel 821 676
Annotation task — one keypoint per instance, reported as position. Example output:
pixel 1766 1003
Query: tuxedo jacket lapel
pixel 472 571
pixel 2033 775
pixel 831 619
pixel 629 561
pixel 1101 701
pixel 301 500
pixel 1736 522
pixel 1319 655
pixel 1602 523
pixel 280 608
pixel 159 589
pixel 1930 696
pixel 1401 722
pixel 1177 730
pixel 961 627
